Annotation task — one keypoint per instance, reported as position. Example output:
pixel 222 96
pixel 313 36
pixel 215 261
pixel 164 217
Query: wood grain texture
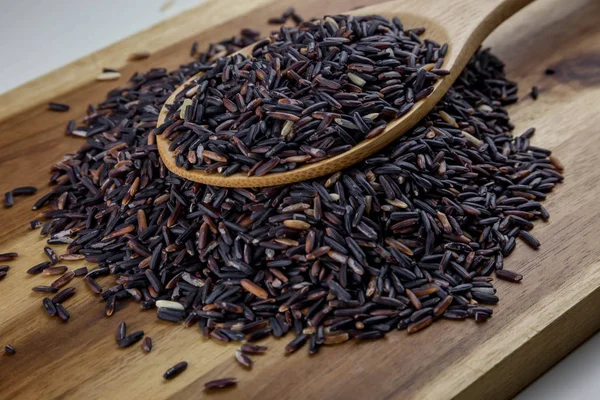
pixel 463 25
pixel 536 323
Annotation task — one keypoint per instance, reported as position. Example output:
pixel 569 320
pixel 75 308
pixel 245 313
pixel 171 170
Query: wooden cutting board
pixel 536 323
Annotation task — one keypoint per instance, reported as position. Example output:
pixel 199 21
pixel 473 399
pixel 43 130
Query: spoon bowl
pixel 462 24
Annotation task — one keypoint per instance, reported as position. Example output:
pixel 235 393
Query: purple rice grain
pixel 83 271
pixel 509 275
pixel 49 306
pixel 277 21
pixel 9 350
pixel 175 370
pixel 529 239
pixel 243 359
pixel 62 313
pixel 51 255
pixel 92 284
pixel 8 200
pixel 121 331
pixel 63 280
pixel 249 348
pixel 63 295
pixel 55 270
pixel 131 339
pixel 296 344
pixel 535 92
pixel 24 191
pixel 58 107
pixel 38 268
pixel 46 228
pixel 220 383
pixel 147 344
pixel 44 289
pixel 110 306
pixel 8 256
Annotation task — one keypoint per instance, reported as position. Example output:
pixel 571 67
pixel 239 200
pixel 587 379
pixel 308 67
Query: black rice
pixel 220 383
pixel 24 191
pixel 38 268
pixel 131 339
pixel 121 331
pixel 49 306
pixel 8 200
pixel 405 238
pixel 9 350
pixel 8 256
pixel 51 255
pixel 243 359
pixel 147 344
pixel 307 93
pixel 44 289
pixel 58 107
pixel 175 370
pixel 62 312
pixel 63 295
pixel 535 92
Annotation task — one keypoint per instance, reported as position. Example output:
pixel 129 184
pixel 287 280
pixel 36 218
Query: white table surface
pixel 42 35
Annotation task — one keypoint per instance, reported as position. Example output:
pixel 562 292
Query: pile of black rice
pixel 409 236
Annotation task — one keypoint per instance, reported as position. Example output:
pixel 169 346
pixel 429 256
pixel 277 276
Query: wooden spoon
pixel 463 24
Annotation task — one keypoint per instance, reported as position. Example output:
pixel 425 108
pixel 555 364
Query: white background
pixel 37 36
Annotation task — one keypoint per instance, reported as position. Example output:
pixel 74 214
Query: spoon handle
pixel 477 19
